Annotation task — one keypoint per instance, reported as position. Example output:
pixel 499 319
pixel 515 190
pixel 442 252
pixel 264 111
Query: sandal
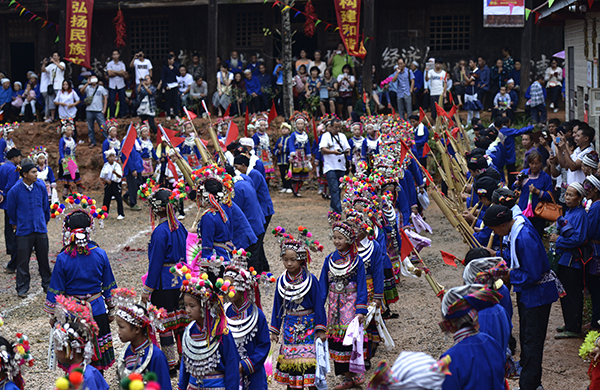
pixel 346 384
pixel 567 335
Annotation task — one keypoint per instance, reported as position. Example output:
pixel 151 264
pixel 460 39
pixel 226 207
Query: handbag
pixel 51 90
pixel 550 211
pixel 90 99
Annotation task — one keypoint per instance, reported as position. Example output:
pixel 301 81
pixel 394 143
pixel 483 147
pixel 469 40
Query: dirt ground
pixel 126 242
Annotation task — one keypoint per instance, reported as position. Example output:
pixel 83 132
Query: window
pixel 450 33
pixel 20 29
pixel 248 29
pixel 151 35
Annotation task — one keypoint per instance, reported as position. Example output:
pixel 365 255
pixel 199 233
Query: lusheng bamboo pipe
pixel 437 288
pixel 490 241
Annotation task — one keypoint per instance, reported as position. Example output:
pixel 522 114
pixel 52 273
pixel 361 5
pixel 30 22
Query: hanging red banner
pixel 78 33
pixel 348 17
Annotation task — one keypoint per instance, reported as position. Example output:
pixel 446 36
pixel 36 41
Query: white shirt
pixel 344 81
pixel 116 82
pixel 436 82
pixel 229 76
pixel 57 74
pixel 111 172
pixel 322 66
pixel 66 97
pixel 578 176
pixel 333 162
pixel 142 69
pixel 185 82
pixel 44 81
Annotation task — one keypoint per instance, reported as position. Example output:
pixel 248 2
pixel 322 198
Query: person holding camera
pixel 142 66
pixel 334 147
pixel 53 74
pixel 96 101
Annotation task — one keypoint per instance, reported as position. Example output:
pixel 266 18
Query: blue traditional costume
pixel 593 266
pixel 262 146
pixel 477 359
pixel 166 248
pixel 109 142
pixel 74 332
pixel 248 324
pixel 15 355
pixel 188 149
pixel 280 150
pixel 344 286
pixel 66 151
pixel 83 272
pixel 144 146
pixel 299 148
pixel 243 235
pixel 298 313
pixel 146 357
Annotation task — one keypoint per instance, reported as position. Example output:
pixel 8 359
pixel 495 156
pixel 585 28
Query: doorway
pixel 22 60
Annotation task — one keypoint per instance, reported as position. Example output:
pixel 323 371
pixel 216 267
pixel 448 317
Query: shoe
pixel 180 217
pixel 560 329
pixel 567 335
pixel 282 190
pixel 120 217
pixel 320 192
pixel 551 105
pixel 135 207
pixel 358 379
pixel 48 120
pixel 92 146
pixel 168 118
pixel 22 295
pixel 346 384
pixel 288 191
pixel 297 195
pixel 81 142
pixel 9 271
pixel 555 110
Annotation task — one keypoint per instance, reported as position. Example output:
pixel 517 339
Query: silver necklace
pixel 199 357
pixel 366 252
pixel 245 329
pixel 294 291
pixel 123 371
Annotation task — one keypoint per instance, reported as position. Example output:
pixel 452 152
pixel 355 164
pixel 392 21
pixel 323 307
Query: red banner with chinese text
pixel 348 17
pixel 78 33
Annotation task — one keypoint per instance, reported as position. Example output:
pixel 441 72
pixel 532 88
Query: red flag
pixel 365 97
pixel 452 111
pixel 449 259
pixel 537 16
pixel 403 150
pixel 227 111
pixel 272 113
pixel 429 178
pixel 440 110
pixel 314 129
pixel 451 98
pixel 426 150
pixel 172 169
pixel 590 3
pixel 190 114
pixel 128 143
pixel 421 114
pixel 171 136
pixel 407 246
pixel 232 133
pixel 246 123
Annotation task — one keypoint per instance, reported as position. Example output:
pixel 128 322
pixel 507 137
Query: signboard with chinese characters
pixel 78 33
pixel 348 17
pixel 503 13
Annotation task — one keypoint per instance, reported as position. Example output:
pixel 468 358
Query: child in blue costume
pixel 247 323
pixel 83 272
pixel 110 128
pixel 66 151
pixel 161 288
pixel 370 146
pixel 137 329
pixel 495 320
pixel 298 315
pixel 11 375
pixel 39 156
pixel 262 146
pixel 344 286
pixel 477 359
pixel 210 359
pixel 215 228
pixel 72 341
pixel 145 148
pixel 188 149
pixel 299 148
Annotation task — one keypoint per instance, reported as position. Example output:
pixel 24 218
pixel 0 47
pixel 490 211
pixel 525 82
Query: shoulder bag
pixel 550 211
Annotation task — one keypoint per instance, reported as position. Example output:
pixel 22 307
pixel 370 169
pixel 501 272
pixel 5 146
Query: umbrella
pixel 560 54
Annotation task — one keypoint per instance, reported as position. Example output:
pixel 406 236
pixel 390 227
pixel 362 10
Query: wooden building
pixel 451 29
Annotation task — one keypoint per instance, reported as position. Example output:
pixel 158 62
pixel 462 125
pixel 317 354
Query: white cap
pixel 93 79
pixel 249 142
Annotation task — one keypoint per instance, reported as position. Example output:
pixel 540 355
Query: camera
pixel 521 176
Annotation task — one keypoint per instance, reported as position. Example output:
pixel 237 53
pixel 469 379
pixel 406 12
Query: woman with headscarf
pixel 161 287
pixel 477 359
pixel 592 187
pixel 533 281
pixel 411 371
pixel 569 243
